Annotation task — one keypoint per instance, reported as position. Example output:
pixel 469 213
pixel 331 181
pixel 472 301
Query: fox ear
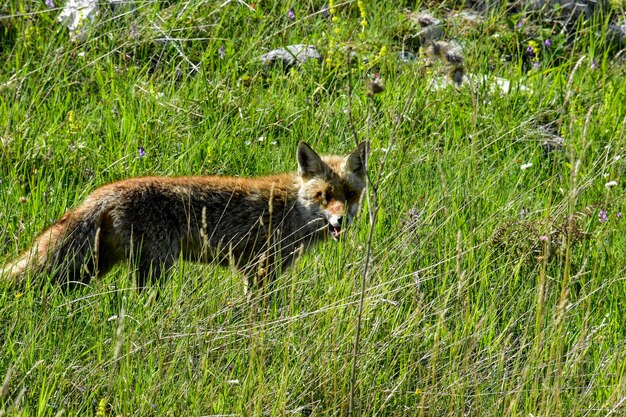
pixel 355 162
pixel 309 163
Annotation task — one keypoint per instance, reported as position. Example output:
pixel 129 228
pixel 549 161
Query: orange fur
pixel 258 224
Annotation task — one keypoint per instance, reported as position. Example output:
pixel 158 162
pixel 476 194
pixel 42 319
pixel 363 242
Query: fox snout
pixel 335 225
pixel 338 221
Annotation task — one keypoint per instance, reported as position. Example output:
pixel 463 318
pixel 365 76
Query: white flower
pixel 74 15
pixel 610 184
pixel 524 167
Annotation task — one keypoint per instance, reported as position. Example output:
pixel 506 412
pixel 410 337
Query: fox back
pixel 258 225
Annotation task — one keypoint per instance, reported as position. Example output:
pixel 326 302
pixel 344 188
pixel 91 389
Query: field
pixel 485 276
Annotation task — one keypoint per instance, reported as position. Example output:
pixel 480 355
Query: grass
pixel 452 323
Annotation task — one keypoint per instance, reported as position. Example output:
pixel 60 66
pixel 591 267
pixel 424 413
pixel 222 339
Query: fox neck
pixel 294 215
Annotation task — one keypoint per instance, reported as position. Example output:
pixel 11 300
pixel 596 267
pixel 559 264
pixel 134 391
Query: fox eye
pixel 350 195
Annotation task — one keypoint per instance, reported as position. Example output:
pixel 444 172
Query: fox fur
pixel 259 225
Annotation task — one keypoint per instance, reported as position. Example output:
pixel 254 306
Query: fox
pixel 259 225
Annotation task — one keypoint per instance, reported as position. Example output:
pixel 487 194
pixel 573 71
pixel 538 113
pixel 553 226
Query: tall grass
pixel 453 321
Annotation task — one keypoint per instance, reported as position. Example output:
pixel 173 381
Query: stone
pixel 291 55
pixel 617 33
pixel 429 28
pixel 406 56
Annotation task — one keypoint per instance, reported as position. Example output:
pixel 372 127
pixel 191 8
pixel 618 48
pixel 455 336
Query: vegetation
pixel 495 281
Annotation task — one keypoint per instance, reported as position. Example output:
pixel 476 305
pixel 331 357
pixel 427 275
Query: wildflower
pixel 291 15
pixel 530 51
pixel 141 151
pixel 222 52
pixel 524 167
pixel 593 64
pixel 618 215
pixel 547 43
pixel 325 12
pixel 50 4
pixel 603 216
pixel 519 24
pixel 19 295
pixel 536 64
pixel 71 146
pixel 610 184
pixel 522 213
pixel 543 238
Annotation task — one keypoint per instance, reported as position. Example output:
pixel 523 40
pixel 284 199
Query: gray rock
pixel 617 33
pixel 291 55
pixel 466 18
pixel 568 10
pixel 550 140
pixel 406 56
pixel 429 28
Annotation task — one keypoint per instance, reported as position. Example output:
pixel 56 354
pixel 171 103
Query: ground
pixel 492 230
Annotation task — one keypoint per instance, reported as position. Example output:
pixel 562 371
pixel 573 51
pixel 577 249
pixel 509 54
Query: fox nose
pixel 336 221
pixel 334 225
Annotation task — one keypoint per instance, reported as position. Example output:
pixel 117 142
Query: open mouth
pixel 334 231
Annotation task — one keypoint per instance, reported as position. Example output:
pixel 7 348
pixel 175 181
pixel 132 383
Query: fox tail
pixel 67 251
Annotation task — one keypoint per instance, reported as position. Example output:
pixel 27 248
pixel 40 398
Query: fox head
pixel 331 186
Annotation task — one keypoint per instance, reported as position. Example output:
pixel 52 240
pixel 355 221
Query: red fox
pixel 259 225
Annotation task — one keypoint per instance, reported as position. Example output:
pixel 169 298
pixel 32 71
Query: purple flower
pixel 547 43
pixel 70 147
pixel 543 238
pixel 222 51
pixel 291 15
pixel 618 215
pixel 603 216
pixel 325 12
pixel 141 151
pixel 520 24
pixel 593 64
pixel 530 51
pixel 536 64
pixel 50 4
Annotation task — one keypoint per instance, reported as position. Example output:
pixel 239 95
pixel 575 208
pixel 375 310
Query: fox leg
pixel 151 268
pixel 259 275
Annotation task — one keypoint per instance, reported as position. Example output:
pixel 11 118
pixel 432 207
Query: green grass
pixel 452 323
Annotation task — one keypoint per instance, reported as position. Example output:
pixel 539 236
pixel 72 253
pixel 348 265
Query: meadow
pixel 484 276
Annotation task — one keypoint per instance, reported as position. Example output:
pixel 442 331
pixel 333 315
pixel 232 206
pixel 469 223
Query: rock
pixel 617 33
pixel 466 18
pixel 76 14
pixel 428 27
pixel 477 81
pixel 291 55
pixel 550 141
pixel 406 56
pixel 464 23
pixel 567 10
